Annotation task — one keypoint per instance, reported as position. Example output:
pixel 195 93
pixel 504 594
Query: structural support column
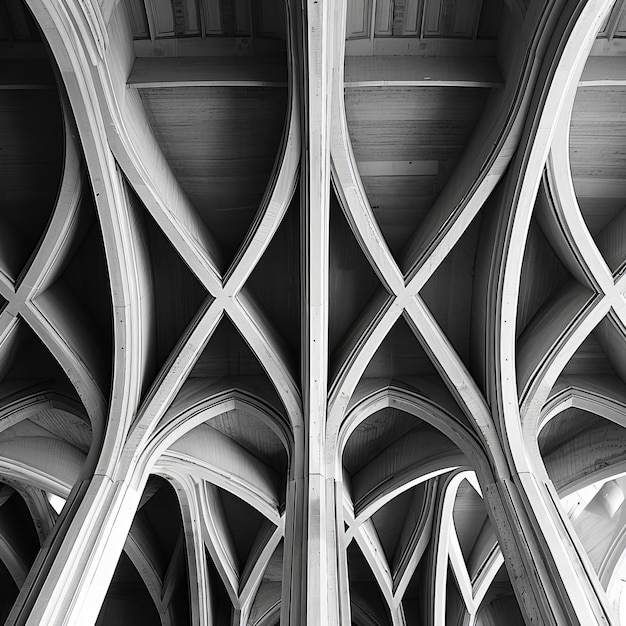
pixel 310 594
pixel 72 590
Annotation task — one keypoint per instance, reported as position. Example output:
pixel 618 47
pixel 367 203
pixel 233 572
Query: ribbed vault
pixel 313 312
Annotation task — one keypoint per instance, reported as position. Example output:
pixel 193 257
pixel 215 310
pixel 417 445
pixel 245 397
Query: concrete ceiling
pixel 221 281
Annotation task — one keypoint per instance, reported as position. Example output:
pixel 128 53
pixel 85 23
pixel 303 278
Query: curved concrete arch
pixel 31 401
pixel 418 475
pixel 197 570
pixel 53 459
pixel 460 445
pixel 598 399
pixel 270 616
pixel 480 176
pixel 417 406
pixel 612 565
pixel 253 484
pixel 75 354
pixel 605 457
pixel 197 407
pixel 24 476
pixel 66 39
pixel 561 77
pixel 134 146
pixel 372 492
pixel 475 407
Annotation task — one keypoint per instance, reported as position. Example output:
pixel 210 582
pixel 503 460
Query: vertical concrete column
pixel 309 595
pixel 73 579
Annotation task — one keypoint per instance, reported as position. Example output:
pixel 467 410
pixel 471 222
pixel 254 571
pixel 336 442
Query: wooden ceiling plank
pixel 42 462
pixel 402 71
pixel 594 187
pixel 400 463
pixel 208 447
pixel 594 454
pixel 604 71
pixel 224 71
pixel 219 541
pixel 418 47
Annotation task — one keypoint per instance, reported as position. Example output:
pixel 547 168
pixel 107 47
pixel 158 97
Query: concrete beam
pixel 604 71
pixel 229 71
pixel 403 71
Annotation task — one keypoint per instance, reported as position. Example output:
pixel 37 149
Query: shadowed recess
pixel 267 599
pixel 32 364
pixel 416 136
pixel 598 154
pixel 244 522
pixel 455 607
pixel 389 522
pixel 275 281
pixel 18 530
pixel 9 592
pixel 367 604
pixel 79 302
pixel 448 292
pixel 589 359
pixel 158 532
pixel 542 275
pixel 221 143
pixel 226 355
pixel 176 293
pixel 127 602
pixel 31 143
pixel 499 605
pixel 400 355
pixel 222 606
pixel 375 434
pixel 352 281
pixel 469 516
pixel 564 426
pixel 254 436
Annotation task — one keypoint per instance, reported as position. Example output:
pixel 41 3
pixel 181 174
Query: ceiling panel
pixel 598 155
pixel 420 132
pixel 138 19
pixel 450 18
pixel 221 143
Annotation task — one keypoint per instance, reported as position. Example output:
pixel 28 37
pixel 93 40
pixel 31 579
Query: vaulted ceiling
pixel 312 314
